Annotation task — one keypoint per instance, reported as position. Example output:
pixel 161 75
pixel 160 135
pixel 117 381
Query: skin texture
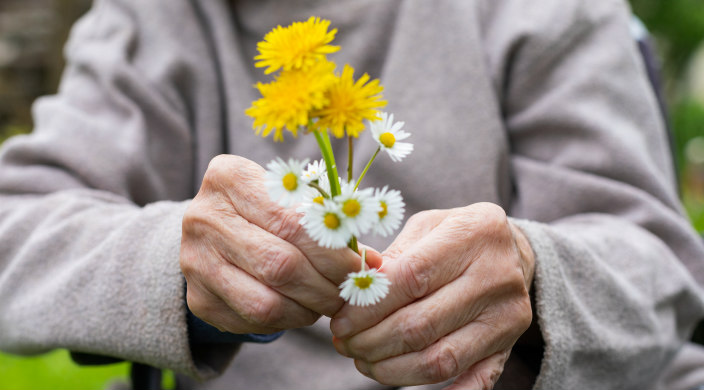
pixel 458 302
pixel 249 265
pixel 460 280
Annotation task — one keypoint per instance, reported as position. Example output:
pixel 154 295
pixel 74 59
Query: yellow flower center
pixel 351 208
pixel 331 221
pixel 290 182
pixel 387 139
pixel 350 102
pixel 363 282
pixel 384 210
pixel 318 200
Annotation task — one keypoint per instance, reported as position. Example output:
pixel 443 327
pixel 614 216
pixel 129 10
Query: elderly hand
pixel 249 265
pixel 458 301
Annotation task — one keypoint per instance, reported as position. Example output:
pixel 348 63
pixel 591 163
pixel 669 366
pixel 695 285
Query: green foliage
pixel 57 371
pixel 695 209
pixel 678 26
pixel 678 30
pixel 687 120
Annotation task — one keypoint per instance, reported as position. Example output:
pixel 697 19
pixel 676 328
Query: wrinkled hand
pixel 458 301
pixel 249 265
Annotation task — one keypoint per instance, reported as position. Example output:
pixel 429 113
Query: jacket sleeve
pixel 618 268
pixel 91 202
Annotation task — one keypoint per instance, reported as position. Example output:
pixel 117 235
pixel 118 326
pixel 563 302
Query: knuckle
pixel 285 225
pixel 203 306
pixel 187 262
pixel 422 216
pixel 220 160
pixel 511 277
pixel 418 217
pixel 309 318
pixel 186 257
pixel 193 213
pixel 197 249
pixel 219 168
pixel 195 220
pixel 512 280
pixel 266 311
pixel 227 168
pixel 414 280
pixel 276 268
pixel 442 363
pixel 196 304
pixel 493 217
pixel 525 314
pixel 417 331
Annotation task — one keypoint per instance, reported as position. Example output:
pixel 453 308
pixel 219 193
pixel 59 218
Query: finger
pixel 279 265
pixel 420 270
pixel 243 181
pixel 255 307
pixel 418 226
pixel 492 287
pixel 447 358
pixel 482 375
pixel 420 324
pixel 436 259
pixel 213 310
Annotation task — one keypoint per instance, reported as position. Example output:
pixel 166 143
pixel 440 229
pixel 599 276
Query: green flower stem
pixel 332 175
pixel 350 158
pixel 320 189
pixel 369 164
pixel 353 244
pixel 326 150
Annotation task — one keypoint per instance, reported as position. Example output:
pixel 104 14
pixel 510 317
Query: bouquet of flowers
pixel 308 96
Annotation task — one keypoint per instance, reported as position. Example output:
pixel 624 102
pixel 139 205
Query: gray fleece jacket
pixel 541 107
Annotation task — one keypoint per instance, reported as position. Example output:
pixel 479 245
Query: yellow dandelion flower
pixel 350 103
pixel 297 46
pixel 288 101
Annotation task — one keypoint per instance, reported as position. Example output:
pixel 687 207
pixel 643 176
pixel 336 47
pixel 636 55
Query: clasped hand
pixel 458 301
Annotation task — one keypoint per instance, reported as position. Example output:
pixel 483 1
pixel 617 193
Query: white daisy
pixel 325 224
pixel 314 195
pixel 312 198
pixel 324 183
pixel 359 208
pixel 314 171
pixel 283 181
pixel 365 287
pixel 387 134
pixel 391 214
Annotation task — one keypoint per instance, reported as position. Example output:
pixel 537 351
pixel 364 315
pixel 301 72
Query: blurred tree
pixel 678 27
pixel 32 33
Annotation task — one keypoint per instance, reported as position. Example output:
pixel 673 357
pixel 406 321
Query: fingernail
pixel 341 327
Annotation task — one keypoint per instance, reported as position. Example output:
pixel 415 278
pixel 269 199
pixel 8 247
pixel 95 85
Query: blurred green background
pixel 677 28
pixel 32 33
